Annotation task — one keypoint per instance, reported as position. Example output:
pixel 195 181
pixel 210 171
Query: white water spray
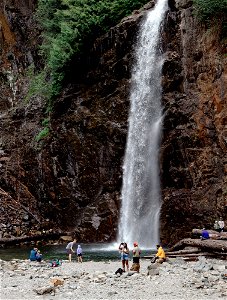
pixel 141 201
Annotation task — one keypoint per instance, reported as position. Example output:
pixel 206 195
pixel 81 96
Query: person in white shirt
pixel 221 225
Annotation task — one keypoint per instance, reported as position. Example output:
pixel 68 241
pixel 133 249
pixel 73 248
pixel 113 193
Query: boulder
pixel 44 290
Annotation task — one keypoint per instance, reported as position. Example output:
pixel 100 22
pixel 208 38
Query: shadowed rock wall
pixel 72 179
pixel 194 144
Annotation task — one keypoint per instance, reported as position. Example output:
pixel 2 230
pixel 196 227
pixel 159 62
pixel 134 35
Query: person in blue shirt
pixel 33 254
pixel 205 234
pixel 79 254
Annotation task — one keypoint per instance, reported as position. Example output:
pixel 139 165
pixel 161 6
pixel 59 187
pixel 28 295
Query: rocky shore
pixel 175 279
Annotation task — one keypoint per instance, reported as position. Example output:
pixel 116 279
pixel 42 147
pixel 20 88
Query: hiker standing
pixel 124 256
pixel 69 249
pixel 221 224
pixel 136 257
pixel 216 225
pixel 136 253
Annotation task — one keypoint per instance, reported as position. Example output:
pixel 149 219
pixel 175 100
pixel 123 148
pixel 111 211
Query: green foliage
pixel 45 131
pixel 42 134
pixel 69 24
pixel 45 122
pixel 210 8
pixel 38 85
pixel 213 10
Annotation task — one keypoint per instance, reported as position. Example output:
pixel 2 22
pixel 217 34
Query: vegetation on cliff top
pixel 69 24
pixel 213 10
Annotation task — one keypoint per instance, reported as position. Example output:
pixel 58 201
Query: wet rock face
pixel 18 41
pixel 19 120
pixel 89 125
pixel 193 148
pixel 72 180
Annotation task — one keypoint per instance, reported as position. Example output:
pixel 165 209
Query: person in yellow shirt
pixel 160 256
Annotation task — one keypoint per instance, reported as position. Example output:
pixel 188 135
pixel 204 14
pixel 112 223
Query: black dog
pixel 119 271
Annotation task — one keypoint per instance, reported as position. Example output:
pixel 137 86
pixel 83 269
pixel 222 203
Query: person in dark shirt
pixel 69 249
pixel 33 254
pixel 205 234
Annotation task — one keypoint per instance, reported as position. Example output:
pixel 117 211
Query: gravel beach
pixel 175 279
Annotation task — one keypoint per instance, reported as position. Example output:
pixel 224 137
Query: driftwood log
pixel 219 246
pixel 38 237
pixel 192 250
pixel 192 254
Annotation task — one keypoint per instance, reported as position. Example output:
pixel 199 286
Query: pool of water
pixel 95 252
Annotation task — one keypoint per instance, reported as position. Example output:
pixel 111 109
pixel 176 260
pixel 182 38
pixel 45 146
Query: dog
pixel 119 271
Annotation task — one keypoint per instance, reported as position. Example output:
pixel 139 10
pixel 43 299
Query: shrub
pixel 207 9
pixel 69 24
pixel 42 134
pixel 213 10
pixel 38 85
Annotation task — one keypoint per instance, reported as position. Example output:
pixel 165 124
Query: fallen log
pixel 183 252
pixel 213 234
pixel 175 254
pixel 192 254
pixel 190 258
pixel 208 245
pixel 37 237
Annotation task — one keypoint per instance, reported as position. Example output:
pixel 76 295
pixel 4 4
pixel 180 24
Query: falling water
pixel 141 201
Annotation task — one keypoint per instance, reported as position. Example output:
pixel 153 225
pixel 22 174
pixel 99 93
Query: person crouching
pixel 160 256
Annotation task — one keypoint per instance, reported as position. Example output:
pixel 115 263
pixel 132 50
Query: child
pixel 79 253
pixel 39 256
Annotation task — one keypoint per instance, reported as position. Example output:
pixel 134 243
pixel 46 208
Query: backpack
pixel 55 263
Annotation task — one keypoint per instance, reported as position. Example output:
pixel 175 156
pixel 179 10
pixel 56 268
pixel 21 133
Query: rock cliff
pixel 72 179
pixel 193 150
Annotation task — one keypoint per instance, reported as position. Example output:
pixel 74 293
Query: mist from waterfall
pixel 140 197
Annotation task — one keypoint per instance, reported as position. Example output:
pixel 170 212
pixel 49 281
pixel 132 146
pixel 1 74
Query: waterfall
pixel 140 197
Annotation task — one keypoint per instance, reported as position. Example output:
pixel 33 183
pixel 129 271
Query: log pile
pixel 216 246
